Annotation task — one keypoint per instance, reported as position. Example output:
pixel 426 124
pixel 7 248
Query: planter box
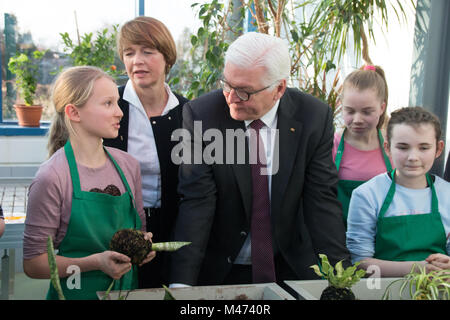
pixel 366 289
pixel 263 291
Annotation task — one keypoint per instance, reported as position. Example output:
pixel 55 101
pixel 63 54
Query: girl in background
pixel 402 217
pixel 84 192
pixel 364 101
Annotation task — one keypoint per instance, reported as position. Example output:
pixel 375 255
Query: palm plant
pixel 318 32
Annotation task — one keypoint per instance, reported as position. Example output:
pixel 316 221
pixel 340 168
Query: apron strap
pixel 389 196
pixel 76 178
pixel 122 176
pixel 391 192
pixel 434 199
pixel 387 162
pixel 73 169
pixel 340 152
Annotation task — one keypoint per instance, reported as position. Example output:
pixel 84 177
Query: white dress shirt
pixel 142 146
pixel 268 137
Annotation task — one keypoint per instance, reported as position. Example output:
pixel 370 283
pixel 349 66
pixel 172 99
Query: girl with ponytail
pixel 84 192
pixel 364 102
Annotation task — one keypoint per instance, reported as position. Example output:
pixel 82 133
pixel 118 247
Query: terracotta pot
pixel 28 116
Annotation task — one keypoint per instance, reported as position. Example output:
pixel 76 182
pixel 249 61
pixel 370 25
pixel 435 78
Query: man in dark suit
pixel 247 227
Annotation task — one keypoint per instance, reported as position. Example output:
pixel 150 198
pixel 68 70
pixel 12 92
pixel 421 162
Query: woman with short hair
pixel 151 113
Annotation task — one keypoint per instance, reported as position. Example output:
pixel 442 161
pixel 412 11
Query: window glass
pixel 26 26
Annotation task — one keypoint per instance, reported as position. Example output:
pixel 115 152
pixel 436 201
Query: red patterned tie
pixel 263 268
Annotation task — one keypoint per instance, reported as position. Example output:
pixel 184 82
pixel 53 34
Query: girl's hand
pixel 113 263
pixel 148 236
pixel 438 260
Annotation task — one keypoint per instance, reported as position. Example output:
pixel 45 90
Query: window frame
pixel 12 128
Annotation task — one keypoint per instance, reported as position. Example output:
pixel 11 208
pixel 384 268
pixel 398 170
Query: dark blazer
pixel 162 126
pixel 216 199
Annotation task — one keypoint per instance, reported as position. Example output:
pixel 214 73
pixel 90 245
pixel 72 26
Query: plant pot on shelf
pixel 28 116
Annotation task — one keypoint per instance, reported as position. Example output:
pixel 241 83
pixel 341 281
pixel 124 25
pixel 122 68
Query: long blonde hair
pixel 73 86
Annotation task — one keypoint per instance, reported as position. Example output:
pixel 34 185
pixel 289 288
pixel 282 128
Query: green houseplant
pixel 317 31
pixel 25 67
pixel 339 282
pixel 98 51
pixel 423 285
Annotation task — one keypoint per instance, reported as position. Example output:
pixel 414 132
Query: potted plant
pixel 423 285
pixel 339 283
pixel 26 70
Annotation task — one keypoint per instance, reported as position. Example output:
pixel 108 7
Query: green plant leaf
pixel 317 270
pixel 194 40
pixel 339 269
pixel 54 269
pixel 167 294
pixel 106 295
pixel 327 269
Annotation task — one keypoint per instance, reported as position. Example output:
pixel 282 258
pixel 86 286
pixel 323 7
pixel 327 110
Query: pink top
pixel 50 196
pixel 357 164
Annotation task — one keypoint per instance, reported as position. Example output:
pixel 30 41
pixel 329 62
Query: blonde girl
pixel 62 202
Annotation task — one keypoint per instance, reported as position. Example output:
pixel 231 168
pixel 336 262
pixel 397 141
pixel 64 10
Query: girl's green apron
pixel 410 237
pixel 346 187
pixel 94 218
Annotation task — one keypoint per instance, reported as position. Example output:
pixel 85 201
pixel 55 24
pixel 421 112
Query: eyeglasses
pixel 242 94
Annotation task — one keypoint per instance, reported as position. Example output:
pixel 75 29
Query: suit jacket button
pixel 229 260
pixel 243 233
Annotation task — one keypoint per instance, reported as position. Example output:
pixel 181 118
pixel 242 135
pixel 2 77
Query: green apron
pixel 409 237
pixel 94 218
pixel 346 187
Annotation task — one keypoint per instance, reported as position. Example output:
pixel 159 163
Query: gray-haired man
pixel 246 225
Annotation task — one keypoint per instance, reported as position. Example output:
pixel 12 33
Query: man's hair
pixel 254 49
pixel 413 116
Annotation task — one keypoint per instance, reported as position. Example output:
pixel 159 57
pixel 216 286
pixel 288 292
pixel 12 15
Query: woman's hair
pixel 73 86
pixel 369 77
pixel 151 33
pixel 413 116
pixel 255 49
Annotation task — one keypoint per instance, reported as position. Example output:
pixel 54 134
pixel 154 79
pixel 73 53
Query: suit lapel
pixel 289 131
pixel 285 152
pixel 242 172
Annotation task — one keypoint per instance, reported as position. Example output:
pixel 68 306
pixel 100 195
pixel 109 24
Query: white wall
pixel 20 156
pixel 392 51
